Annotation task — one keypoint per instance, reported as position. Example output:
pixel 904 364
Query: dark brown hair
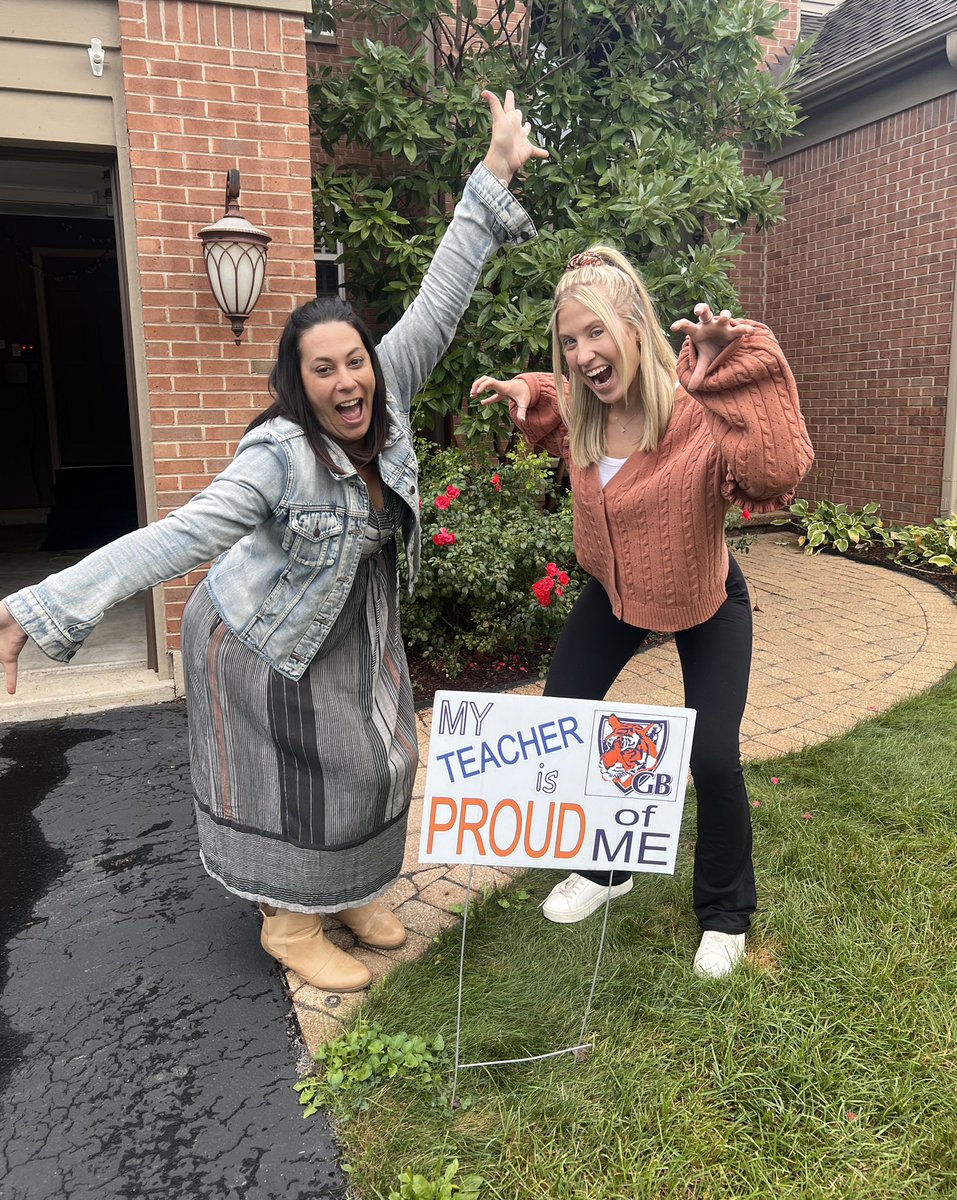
pixel 289 396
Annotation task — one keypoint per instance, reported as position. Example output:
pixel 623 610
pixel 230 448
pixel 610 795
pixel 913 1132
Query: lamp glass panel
pixel 236 272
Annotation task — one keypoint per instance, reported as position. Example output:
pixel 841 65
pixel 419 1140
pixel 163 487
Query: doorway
pixel 69 484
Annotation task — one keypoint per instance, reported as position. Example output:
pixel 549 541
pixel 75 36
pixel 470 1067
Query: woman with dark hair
pixel 302 729
pixel 658 449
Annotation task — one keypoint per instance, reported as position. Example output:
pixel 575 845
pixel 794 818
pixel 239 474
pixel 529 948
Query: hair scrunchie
pixel 585 259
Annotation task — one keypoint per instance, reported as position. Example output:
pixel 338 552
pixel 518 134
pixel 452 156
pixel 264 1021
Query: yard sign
pixel 535 781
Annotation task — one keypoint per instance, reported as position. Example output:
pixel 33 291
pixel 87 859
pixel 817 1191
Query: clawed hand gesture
pixel 503 389
pixel 711 334
pixel 510 147
pixel 12 641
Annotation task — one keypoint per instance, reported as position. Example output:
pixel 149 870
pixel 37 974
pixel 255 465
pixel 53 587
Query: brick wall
pixel 859 288
pixel 750 269
pixel 787 30
pixel 749 273
pixel 209 88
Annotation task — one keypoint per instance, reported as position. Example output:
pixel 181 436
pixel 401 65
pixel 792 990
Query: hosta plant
pixel 836 527
pixel 932 545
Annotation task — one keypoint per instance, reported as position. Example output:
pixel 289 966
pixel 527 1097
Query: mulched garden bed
pixel 490 673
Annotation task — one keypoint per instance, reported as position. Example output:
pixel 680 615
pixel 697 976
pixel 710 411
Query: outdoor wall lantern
pixel 234 252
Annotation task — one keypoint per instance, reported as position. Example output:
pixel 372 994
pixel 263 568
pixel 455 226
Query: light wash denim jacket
pixel 291 529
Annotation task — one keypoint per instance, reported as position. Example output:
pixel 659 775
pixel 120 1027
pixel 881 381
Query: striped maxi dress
pixel 303 786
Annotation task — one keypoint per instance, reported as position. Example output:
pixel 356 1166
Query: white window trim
pixel 321 254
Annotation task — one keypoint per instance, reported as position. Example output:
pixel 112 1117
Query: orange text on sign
pixel 503 826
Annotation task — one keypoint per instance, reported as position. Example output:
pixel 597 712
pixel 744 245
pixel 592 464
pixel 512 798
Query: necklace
pixel 624 427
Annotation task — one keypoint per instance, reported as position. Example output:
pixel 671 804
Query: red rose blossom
pixel 497 482
pixel 445 537
pixel 551 569
pixel 442 501
pixel 452 492
pixel 563 578
pixel 746 513
pixel 543 591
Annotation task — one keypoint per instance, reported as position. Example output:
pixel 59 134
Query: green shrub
pixel 935 545
pixel 498 562
pixel 837 527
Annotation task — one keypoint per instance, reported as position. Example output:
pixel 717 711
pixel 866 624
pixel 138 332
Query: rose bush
pixel 498 564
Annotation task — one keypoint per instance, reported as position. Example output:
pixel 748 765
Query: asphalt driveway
pixel 146 1046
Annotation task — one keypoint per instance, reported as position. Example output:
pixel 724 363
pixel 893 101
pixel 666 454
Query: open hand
pixel 12 640
pixel 504 389
pixel 711 335
pixel 509 147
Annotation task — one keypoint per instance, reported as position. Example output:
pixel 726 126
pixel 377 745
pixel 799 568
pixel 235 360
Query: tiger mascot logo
pixel 630 749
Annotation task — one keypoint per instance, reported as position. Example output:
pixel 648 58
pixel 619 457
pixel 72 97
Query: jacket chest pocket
pixel 313 536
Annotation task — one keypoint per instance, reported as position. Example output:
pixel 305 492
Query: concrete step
pixel 44 693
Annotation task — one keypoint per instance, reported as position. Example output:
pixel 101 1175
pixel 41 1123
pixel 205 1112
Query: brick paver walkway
pixel 834 643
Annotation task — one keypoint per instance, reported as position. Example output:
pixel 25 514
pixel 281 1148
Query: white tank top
pixel 608 468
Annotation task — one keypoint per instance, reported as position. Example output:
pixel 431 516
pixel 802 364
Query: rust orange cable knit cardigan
pixel 654 537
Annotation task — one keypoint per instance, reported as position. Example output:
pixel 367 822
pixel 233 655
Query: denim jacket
pixel 288 530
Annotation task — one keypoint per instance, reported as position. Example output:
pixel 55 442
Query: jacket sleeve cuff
pixel 29 611
pixel 518 226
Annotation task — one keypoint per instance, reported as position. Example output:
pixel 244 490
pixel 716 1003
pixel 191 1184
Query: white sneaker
pixel 718 954
pixel 576 898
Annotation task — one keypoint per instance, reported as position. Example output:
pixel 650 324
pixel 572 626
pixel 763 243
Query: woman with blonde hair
pixel 657 450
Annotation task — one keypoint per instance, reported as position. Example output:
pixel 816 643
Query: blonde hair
pixel 614 291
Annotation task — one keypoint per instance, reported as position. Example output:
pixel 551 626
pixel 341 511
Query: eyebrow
pixel 595 323
pixel 326 358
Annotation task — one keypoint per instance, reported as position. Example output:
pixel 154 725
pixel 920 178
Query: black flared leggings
pixel 592 650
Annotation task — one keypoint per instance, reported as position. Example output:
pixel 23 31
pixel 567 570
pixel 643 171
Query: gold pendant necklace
pixel 631 420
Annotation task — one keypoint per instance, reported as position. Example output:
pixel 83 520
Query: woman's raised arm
pixel 485 218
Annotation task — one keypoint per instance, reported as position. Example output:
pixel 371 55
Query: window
pixel 321 26
pixel 330 274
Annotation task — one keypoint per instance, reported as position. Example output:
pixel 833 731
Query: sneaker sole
pixel 620 889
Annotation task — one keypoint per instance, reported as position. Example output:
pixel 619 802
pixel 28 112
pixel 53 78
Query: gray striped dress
pixel 303 786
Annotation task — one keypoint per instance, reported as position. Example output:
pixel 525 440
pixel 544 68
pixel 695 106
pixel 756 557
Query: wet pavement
pixel 147 1048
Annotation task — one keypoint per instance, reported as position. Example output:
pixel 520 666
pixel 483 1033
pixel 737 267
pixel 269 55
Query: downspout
pixel 948 503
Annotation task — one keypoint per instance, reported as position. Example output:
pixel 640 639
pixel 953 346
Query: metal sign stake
pixel 580 1051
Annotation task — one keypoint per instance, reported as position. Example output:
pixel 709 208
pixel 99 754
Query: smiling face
pixel 338 379
pixel 603 353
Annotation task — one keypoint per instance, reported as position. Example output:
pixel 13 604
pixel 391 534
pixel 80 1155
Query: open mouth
pixel 599 377
pixel 351 411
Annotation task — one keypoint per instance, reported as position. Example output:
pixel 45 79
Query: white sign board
pixel 535 781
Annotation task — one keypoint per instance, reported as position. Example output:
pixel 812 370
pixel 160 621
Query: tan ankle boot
pixel 374 925
pixel 298 942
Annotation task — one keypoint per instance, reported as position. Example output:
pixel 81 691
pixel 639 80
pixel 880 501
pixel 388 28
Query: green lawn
pixel 827 1067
